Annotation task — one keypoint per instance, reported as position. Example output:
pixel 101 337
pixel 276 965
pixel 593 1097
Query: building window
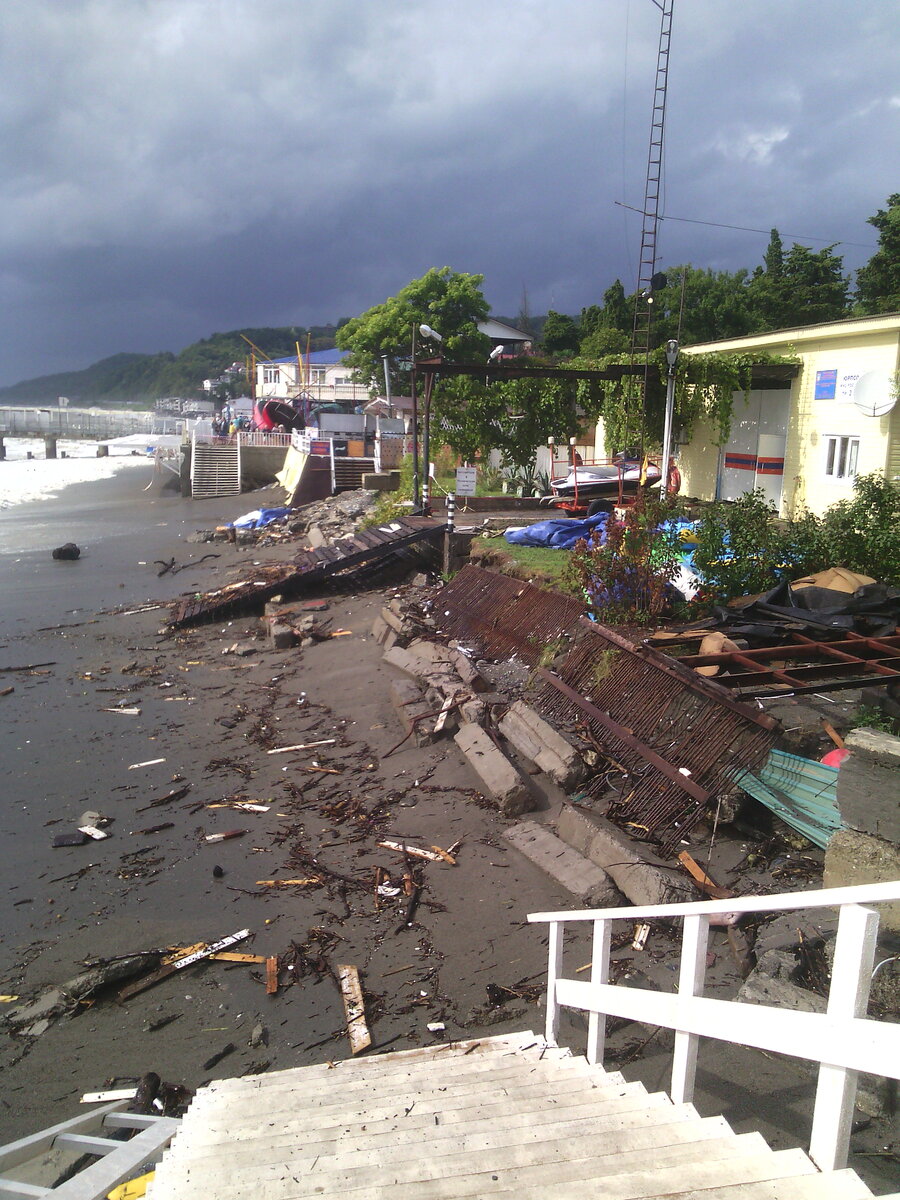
pixel 841 455
pixel 271 374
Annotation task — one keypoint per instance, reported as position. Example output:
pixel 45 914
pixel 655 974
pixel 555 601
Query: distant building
pixel 514 341
pixel 323 376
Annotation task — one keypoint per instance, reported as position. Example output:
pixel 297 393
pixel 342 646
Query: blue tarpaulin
pixel 259 517
pixel 560 534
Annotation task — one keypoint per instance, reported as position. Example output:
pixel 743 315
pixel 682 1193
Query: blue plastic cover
pixel 560 534
pixel 259 517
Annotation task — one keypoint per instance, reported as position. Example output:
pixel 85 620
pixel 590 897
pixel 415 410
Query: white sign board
pixel 466 480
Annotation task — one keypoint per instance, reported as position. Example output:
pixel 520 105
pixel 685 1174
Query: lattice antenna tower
pixel 643 302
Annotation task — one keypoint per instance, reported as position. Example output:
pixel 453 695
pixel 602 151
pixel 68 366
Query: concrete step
pixel 611 1135
pixel 333 1123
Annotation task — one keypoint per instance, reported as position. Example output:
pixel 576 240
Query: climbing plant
pixel 705 386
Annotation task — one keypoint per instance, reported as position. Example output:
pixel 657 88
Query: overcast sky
pixel 173 168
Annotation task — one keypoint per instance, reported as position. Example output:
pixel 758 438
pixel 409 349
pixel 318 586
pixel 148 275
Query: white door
pixel 754 455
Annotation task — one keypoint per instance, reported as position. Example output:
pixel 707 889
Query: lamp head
pixel 427 331
pixel 495 353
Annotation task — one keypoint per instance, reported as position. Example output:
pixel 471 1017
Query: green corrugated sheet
pixel 803 793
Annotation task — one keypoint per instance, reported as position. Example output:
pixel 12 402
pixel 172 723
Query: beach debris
pixel 66 553
pixel 354 1008
pixel 217 1058
pixel 128 1093
pixel 243 805
pixel 702 879
pixel 27 667
pixel 641 933
pixel 218 872
pixel 92 824
pixel 175 794
pixel 436 854
pixel 153 828
pixel 69 839
pixel 304 746
pixel 226 836
pixel 130 711
pixel 7 691
pixel 435 1026
pixel 288 882
pixel 36 1016
pixel 164 972
pixel 151 762
pixel 258 1037
pixel 271 976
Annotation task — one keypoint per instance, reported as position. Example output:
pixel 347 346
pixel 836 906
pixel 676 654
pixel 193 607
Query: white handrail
pixel 842 1040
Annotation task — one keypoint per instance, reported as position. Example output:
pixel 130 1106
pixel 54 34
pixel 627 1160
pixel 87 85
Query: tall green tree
pixel 878 282
pixel 802 287
pixel 560 334
pixel 450 302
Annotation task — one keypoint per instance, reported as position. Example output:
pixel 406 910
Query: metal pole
pixel 426 444
pixel 671 359
pixel 415 426
pixel 451 510
pixel 386 359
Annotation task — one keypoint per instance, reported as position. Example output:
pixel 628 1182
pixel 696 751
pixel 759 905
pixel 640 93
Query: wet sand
pixel 211 715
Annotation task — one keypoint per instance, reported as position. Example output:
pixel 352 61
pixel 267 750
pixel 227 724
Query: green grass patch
pixel 542 565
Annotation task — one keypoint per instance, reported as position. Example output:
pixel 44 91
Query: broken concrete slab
pixel 431 652
pixel 855 858
pixel 577 874
pixel 409 664
pixel 499 776
pixel 396 622
pixel 410 705
pixel 278 635
pixel 771 983
pixel 630 865
pixel 538 741
pixel 869 782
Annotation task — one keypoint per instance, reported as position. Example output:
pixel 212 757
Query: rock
pixel 69 552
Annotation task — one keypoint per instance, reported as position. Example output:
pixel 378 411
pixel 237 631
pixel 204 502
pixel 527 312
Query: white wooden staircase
pixel 500 1116
pixel 215 470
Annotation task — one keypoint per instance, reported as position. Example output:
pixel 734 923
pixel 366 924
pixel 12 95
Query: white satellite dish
pixel 872 394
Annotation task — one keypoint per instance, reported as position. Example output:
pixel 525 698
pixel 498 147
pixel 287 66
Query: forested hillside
pixel 142 378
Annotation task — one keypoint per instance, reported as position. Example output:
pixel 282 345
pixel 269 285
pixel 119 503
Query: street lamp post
pixel 427 332
pixel 672 361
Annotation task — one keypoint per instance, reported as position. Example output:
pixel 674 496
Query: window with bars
pixel 841 457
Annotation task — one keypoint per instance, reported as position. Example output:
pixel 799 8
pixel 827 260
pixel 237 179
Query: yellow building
pixel 803 437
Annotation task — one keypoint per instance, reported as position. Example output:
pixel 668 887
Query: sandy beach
pixel 110 689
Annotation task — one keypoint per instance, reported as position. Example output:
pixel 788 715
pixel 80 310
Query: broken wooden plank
pixel 303 746
pixel 702 879
pixel 271 976
pixel 164 972
pixel 288 882
pixel 354 1008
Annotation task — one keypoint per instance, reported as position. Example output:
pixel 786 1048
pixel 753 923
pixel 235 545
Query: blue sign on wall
pixel 826 385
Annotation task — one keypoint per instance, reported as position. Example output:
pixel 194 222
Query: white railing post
pixel 690 983
pixel 851 976
pixel 596 1038
pixel 554 967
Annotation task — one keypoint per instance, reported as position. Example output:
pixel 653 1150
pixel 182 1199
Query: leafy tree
pixel 560 334
pixel 701 305
pixel 878 282
pixel 450 302
pixel 802 287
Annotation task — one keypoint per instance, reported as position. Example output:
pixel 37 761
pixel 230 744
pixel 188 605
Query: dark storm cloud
pixel 176 167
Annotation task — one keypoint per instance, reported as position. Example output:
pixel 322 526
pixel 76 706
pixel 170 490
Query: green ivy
pixel 705 386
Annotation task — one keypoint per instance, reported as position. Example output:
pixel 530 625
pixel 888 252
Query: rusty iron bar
pixel 506 616
pixel 636 700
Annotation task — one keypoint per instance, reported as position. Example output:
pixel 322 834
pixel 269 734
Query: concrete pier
pixel 50 445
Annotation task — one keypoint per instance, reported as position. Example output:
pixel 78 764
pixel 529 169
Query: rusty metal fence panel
pixel 506 616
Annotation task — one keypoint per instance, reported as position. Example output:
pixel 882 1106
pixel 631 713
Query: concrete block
pixel 278 635
pixel 628 864
pixel 315 537
pixel 380 630
pixel 572 870
pixel 770 983
pixel 409 703
pixel 852 857
pixel 396 621
pixel 499 776
pixel 466 670
pixel 381 481
pixel 409 664
pixel 534 738
pixel 430 652
pixel 473 711
pixel 868 784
